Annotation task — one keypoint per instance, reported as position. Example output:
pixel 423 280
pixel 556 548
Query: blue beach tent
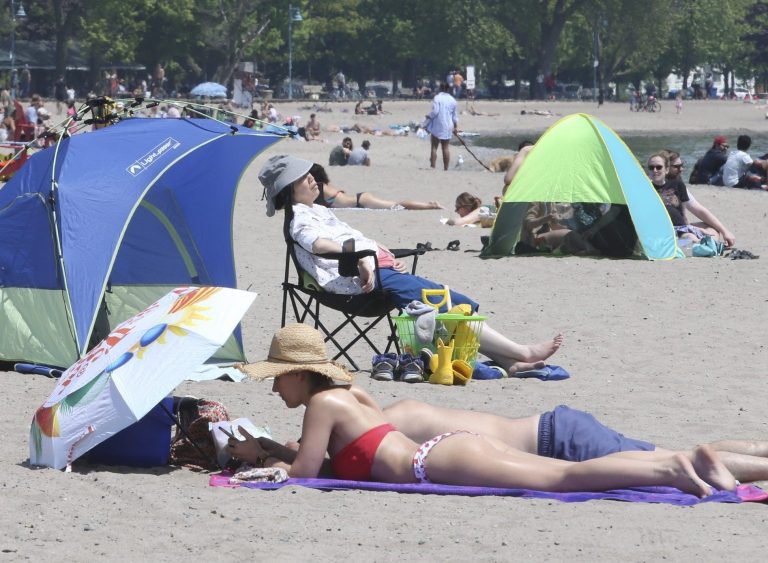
pixel 100 226
pixel 581 161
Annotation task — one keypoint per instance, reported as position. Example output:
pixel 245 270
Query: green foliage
pixel 206 39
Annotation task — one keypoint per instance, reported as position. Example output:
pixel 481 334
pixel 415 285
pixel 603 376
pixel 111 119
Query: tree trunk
pixel 61 26
pixel 550 37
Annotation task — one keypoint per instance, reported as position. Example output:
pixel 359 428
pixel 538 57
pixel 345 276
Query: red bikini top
pixel 355 460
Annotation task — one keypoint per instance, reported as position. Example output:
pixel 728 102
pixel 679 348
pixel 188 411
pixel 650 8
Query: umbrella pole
pixel 184 433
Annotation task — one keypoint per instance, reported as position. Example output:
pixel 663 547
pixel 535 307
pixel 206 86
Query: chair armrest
pixel 341 255
pixel 406 252
pixel 348 260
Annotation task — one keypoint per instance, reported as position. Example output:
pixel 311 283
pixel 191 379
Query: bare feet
pixel 542 350
pixel 686 479
pixel 709 467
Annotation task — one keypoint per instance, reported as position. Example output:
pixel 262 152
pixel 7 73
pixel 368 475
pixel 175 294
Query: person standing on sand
pixel 442 123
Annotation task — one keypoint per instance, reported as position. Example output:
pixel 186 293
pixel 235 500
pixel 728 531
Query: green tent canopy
pixel 583 173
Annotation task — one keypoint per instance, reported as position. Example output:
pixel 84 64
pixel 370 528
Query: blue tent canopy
pixel 136 209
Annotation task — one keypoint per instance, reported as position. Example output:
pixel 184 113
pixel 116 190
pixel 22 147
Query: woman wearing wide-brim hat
pixel 290 185
pixel 363 446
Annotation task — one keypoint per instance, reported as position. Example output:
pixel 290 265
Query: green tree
pixel 110 31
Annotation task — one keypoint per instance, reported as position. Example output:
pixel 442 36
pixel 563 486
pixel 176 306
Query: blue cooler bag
pixel 145 443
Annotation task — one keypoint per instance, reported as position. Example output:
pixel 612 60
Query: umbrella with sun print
pixel 128 373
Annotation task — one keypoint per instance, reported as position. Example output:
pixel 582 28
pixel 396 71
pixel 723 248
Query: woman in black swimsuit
pixel 335 198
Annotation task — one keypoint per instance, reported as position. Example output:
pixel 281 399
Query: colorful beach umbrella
pixel 127 374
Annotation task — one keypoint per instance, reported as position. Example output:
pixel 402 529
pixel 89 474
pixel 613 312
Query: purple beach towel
pixel 667 495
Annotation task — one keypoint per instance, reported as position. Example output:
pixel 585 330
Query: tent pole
pixel 52 201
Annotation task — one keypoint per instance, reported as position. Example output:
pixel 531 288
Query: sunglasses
pixel 681 166
pixel 655 167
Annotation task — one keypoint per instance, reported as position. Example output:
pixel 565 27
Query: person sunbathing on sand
pixel 362 445
pixel 333 197
pixel 563 433
pixel 470 210
pixel 316 229
pixel 473 111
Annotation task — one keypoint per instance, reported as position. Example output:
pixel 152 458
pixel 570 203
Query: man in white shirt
pixel 736 170
pixel 359 156
pixel 442 123
pixel 31 110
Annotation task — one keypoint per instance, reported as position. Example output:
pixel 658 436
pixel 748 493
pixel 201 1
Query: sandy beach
pixel 671 352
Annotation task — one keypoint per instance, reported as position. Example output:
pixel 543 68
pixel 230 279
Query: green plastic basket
pixel 464 330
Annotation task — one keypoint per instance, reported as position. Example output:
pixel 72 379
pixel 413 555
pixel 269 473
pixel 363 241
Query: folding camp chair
pixel 306 297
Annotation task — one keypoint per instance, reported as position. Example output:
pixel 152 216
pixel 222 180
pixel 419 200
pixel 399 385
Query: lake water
pixel 690 146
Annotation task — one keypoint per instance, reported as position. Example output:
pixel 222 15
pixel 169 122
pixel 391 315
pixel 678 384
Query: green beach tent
pixel 581 163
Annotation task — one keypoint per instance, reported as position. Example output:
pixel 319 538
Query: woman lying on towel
pixel 332 197
pixel 316 229
pixel 563 433
pixel 362 445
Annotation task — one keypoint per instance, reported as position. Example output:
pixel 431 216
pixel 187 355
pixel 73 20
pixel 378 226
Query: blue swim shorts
pixel 574 435
pixel 404 288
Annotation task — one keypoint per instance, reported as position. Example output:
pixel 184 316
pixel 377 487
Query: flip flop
pixel 737 254
pixel 425 246
pixel 453 245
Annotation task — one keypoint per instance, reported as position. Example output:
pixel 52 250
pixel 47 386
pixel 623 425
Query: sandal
pixel 453 245
pixel 424 246
pixel 737 254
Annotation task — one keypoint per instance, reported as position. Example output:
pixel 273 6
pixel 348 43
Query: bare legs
pixel 746 460
pixel 513 356
pixel 468 459
pixel 371 201
pixel 444 144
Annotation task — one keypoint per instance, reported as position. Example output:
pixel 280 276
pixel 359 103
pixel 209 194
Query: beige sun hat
pixel 296 347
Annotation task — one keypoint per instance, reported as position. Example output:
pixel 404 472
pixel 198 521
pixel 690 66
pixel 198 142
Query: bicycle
pixel 652 105
pixel 648 103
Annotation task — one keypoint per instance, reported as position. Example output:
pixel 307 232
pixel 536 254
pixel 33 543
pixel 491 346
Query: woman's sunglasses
pixel 655 167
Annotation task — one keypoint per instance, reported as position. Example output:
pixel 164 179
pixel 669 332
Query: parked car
pixel 281 91
pixel 377 91
pixel 572 92
pixel 740 93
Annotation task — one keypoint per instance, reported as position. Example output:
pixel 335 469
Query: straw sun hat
pixel 296 347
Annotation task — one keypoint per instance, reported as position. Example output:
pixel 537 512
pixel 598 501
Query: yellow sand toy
pixel 440 364
pixel 456 340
